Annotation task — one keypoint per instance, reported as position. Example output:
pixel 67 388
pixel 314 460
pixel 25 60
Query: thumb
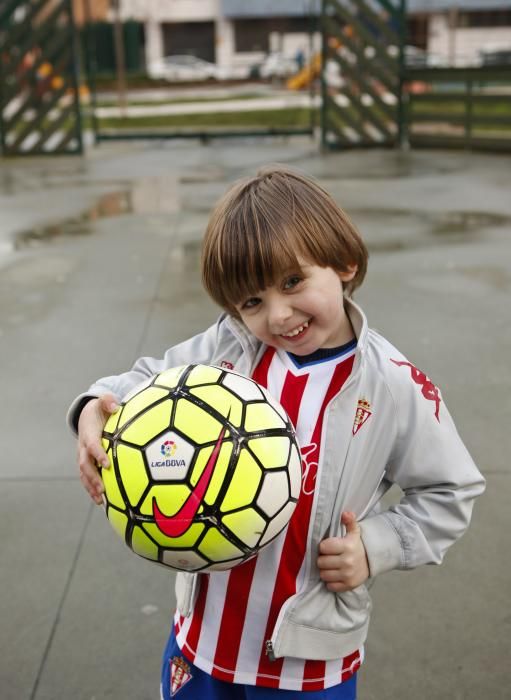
pixel 108 403
pixel 349 520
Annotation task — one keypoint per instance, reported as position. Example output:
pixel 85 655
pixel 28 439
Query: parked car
pixel 496 57
pixel 418 58
pixel 182 68
pixel 275 65
pixel 232 72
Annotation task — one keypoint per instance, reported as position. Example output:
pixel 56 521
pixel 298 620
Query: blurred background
pixel 121 124
pixel 424 71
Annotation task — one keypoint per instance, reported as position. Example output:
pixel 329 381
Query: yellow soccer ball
pixel 205 469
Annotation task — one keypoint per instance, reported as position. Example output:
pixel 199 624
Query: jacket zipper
pixel 269 650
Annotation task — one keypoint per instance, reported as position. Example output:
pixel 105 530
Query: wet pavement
pixel 99 265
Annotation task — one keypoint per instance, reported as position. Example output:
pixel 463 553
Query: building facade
pixel 460 32
pixel 236 34
pixel 231 33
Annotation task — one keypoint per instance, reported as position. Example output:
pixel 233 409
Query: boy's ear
pixel 348 274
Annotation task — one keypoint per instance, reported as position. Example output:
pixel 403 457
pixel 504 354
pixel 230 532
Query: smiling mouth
pixel 296 331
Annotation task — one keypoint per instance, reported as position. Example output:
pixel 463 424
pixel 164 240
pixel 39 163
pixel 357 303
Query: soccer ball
pixel 204 469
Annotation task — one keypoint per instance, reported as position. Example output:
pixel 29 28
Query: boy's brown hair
pixel 262 225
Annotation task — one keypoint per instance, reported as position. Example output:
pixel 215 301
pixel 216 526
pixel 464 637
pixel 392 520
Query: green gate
pixel 362 72
pixel 39 100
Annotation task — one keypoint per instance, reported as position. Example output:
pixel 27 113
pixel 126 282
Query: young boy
pixel 282 259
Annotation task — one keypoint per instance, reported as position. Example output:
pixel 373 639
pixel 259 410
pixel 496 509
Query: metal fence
pixel 362 69
pixel 459 107
pixel 39 101
pixel 120 111
pixel 369 98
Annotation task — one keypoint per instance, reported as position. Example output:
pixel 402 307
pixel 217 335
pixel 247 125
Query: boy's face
pixel 302 312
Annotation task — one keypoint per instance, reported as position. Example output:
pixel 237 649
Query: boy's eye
pixel 250 303
pixel 292 281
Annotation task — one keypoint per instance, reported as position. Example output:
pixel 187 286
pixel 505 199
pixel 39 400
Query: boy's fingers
pixel 101 458
pixel 349 521
pixel 95 492
pixel 97 454
pixel 339 587
pixel 108 403
pixel 332 576
pixel 332 545
pixel 88 468
pixel 328 562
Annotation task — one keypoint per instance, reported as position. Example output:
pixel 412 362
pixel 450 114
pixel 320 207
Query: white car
pixel 418 58
pixel 182 68
pixel 276 65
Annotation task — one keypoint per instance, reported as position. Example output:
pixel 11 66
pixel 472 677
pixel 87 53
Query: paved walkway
pixel 98 265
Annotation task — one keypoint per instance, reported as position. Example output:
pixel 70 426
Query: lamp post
pixel 119 57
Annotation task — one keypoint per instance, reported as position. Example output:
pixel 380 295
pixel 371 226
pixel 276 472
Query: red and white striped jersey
pixel 236 611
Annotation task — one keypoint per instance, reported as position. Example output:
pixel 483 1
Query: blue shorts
pixel 190 683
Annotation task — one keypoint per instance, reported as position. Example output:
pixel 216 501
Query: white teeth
pixel 296 330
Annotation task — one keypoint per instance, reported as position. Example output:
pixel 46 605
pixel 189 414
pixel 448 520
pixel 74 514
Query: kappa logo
pixel 179 674
pixel 429 390
pixel 362 414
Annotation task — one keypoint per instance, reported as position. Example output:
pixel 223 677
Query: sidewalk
pixel 99 265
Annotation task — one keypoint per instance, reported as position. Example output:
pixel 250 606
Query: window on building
pixel 193 38
pixel 485 18
pixel 417 31
pixel 253 34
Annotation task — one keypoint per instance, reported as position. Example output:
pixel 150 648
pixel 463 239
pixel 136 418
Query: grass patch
pixel 458 107
pixel 179 100
pixel 282 118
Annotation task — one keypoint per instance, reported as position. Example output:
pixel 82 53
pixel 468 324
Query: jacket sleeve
pixel 438 478
pixel 198 349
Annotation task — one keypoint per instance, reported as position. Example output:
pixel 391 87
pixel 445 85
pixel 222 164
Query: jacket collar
pixel 358 322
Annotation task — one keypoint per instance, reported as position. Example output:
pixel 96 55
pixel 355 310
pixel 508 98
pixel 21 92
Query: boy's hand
pixel 342 561
pixel 91 454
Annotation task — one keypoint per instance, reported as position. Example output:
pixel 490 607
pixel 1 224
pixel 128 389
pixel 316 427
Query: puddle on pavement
pixel 466 222
pixel 492 276
pixel 385 229
pixel 394 230
pixel 150 196
pixel 206 175
pixel 109 205
pixel 374 165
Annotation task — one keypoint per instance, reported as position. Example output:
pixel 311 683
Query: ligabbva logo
pixel 169 456
pixel 168 448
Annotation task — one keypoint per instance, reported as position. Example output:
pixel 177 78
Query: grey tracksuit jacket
pixel 408 439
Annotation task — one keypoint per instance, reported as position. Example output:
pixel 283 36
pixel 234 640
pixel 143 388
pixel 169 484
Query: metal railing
pixel 458 107
pixel 39 102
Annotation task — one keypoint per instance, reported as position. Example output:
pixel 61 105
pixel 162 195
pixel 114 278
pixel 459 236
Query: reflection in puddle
pixel 112 204
pixel 393 230
pixel 385 229
pixel 158 195
pixel 491 275
pixel 456 222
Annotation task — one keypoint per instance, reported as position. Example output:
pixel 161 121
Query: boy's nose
pixel 279 313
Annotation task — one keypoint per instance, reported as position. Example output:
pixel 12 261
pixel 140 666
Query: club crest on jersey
pixel 362 414
pixel 179 674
